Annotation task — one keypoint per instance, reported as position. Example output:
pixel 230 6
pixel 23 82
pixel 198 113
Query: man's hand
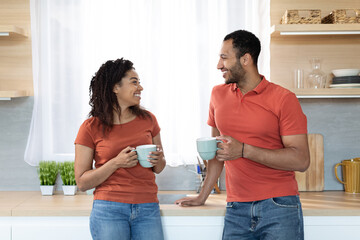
pixel 189 201
pixel 230 148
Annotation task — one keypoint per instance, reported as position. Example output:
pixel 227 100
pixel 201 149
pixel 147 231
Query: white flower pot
pixel 69 189
pixel 47 190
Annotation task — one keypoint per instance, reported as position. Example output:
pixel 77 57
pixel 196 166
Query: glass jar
pixel 316 78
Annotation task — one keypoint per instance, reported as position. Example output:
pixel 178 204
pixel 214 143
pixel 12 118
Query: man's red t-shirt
pixel 259 118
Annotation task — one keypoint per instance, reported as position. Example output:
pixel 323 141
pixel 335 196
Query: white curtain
pixel 174 45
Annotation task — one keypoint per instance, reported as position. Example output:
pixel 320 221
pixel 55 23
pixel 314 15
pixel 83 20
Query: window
pixel 174 45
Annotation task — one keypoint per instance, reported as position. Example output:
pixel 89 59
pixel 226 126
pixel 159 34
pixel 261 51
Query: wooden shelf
pixel 301 41
pixel 16 79
pixel 13 31
pixel 327 93
pixel 293 45
pixel 281 30
pixel 6 94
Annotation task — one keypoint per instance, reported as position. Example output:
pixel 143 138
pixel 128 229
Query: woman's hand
pixel 126 158
pixel 87 177
pixel 157 157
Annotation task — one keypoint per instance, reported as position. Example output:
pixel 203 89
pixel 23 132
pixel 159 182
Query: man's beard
pixel 237 74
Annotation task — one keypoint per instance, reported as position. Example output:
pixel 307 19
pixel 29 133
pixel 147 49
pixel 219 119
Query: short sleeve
pixel 84 136
pixel 156 128
pixel 292 119
pixel 211 118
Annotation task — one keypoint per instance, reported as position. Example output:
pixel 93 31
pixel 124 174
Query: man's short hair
pixel 245 42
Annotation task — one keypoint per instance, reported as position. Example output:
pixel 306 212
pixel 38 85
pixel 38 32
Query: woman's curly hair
pixel 103 100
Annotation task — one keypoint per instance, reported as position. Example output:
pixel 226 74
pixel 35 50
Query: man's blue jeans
pixel 114 220
pixel 278 218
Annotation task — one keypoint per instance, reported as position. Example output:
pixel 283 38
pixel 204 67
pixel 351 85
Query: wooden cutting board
pixel 313 178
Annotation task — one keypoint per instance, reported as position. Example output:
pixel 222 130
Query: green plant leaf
pixel 48 171
pixel 67 173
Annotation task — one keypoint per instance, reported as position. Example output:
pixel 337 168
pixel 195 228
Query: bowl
pixel 345 72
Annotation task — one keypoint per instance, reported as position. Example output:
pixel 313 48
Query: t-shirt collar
pixel 258 89
pixel 233 87
pixel 262 85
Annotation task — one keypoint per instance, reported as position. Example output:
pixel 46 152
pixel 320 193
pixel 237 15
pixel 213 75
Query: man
pixel 264 133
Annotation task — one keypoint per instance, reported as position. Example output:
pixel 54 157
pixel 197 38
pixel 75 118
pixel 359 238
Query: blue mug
pixel 143 151
pixel 207 147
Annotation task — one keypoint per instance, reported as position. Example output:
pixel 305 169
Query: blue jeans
pixel 277 218
pixel 114 220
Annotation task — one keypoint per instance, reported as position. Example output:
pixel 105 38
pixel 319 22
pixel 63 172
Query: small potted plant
pixel 48 171
pixel 67 174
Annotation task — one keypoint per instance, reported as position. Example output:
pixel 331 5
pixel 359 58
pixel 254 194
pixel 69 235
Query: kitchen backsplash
pixel 336 119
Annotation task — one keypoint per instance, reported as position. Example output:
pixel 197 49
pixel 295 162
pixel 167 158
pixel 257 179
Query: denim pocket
pixel 149 209
pixel 287 201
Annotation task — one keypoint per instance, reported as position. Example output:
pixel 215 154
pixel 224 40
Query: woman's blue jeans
pixel 278 218
pixel 114 220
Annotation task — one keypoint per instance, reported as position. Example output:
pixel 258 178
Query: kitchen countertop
pixel 327 203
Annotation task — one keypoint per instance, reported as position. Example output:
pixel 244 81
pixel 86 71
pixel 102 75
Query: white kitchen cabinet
pixel 5 230
pixel 59 228
pixel 316 227
pixel 332 227
pixel 54 228
pixel 193 227
pixel 175 228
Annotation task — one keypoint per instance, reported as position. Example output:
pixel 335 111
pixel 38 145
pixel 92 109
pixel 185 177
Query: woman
pixel 125 199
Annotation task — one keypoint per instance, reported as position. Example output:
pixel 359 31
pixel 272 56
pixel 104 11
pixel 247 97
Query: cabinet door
pixel 54 228
pixel 5 231
pixel 5 228
pixel 332 227
pixel 193 227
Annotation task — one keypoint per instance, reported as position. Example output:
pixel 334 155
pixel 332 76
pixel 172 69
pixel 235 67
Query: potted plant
pixel 48 171
pixel 67 174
